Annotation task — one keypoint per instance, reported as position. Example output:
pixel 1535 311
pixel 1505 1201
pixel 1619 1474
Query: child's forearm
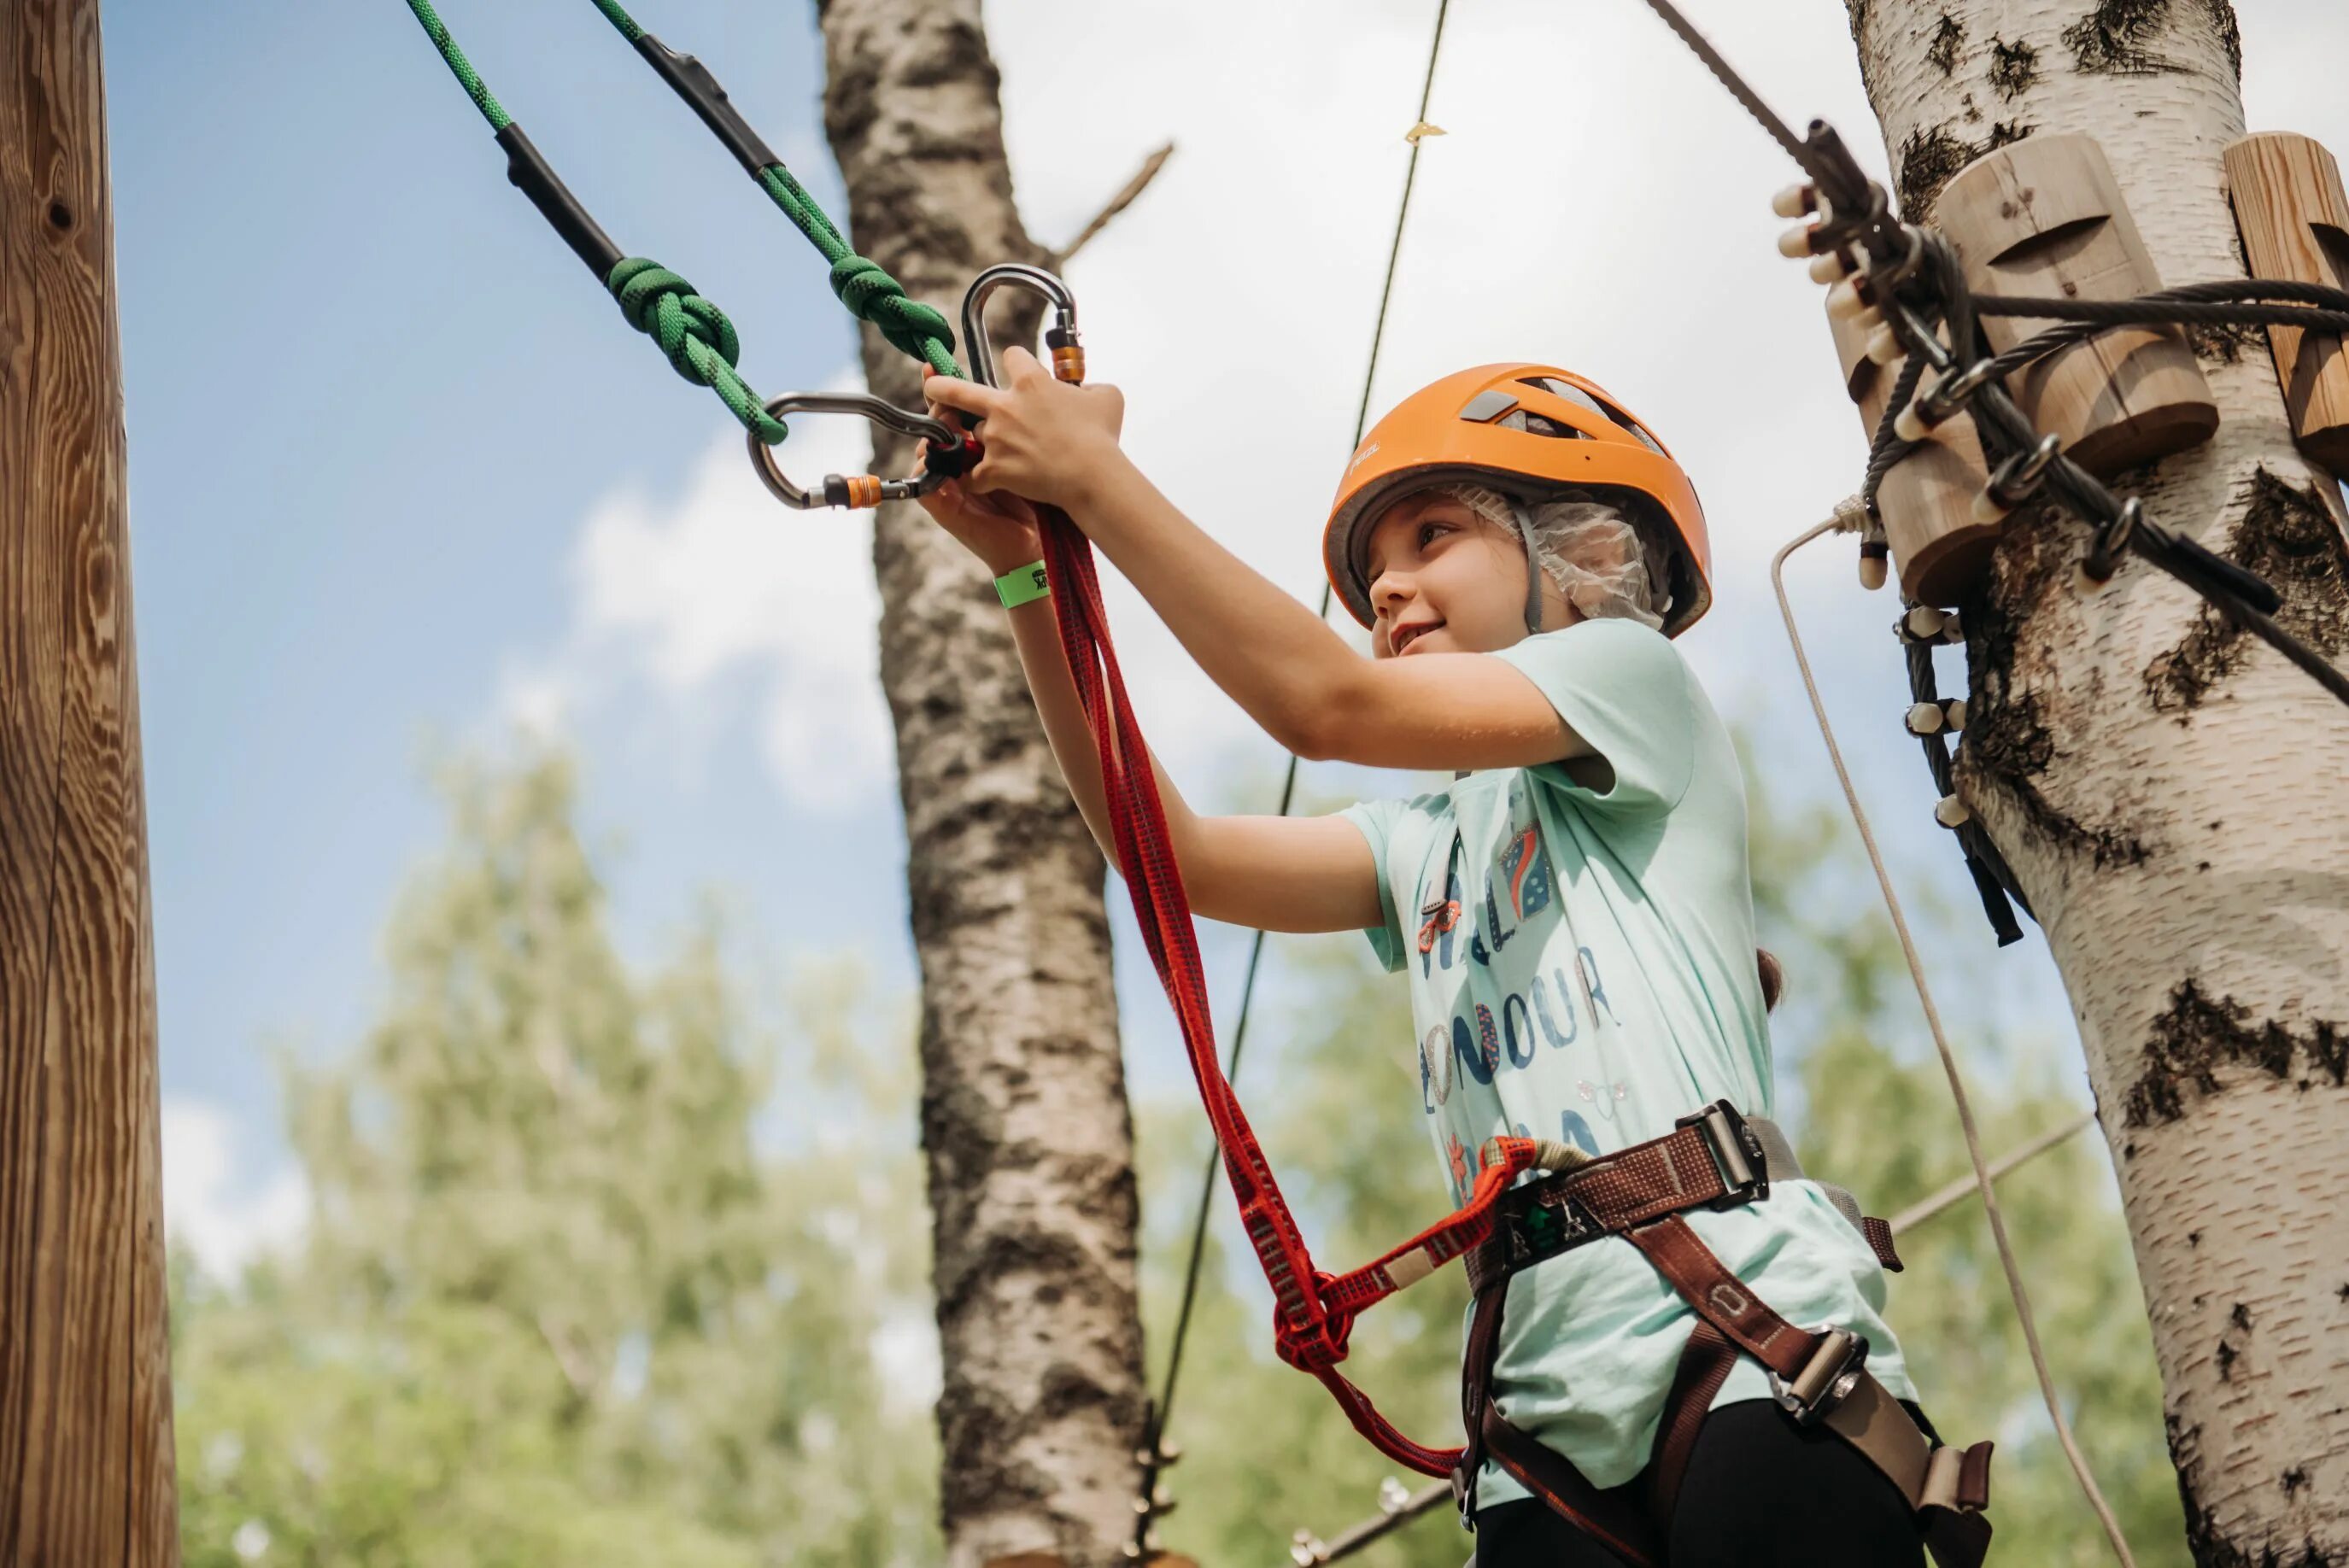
pixel 1055 691
pixel 1272 656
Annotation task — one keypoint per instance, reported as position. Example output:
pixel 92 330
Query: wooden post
pixel 1926 498
pixel 85 1385
pixel 2045 218
pixel 2294 220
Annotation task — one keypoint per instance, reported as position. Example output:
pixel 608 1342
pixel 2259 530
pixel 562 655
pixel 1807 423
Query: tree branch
pixel 1117 203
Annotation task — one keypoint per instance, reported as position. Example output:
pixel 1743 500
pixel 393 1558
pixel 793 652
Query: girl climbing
pixel 1574 916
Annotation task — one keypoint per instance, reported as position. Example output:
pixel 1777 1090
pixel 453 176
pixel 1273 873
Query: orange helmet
pixel 1525 430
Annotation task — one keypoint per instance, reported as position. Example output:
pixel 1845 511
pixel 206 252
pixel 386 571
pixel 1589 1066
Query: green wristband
pixel 1023 586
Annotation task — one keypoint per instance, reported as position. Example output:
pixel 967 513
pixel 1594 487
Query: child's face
pixel 1445 579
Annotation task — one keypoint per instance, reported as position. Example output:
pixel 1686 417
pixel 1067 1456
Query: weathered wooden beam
pixel 85 1379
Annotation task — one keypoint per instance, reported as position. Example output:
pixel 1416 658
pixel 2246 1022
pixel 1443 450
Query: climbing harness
pixel 1715 1159
pixel 1398 1505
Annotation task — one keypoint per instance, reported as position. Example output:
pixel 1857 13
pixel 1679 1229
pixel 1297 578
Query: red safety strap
pixel 1314 1312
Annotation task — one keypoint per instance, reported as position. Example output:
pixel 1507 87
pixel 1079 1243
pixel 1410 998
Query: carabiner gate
pixel 950 453
pixel 1060 338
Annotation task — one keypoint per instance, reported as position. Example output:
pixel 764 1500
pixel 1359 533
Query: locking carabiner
pixel 951 451
pixel 1060 338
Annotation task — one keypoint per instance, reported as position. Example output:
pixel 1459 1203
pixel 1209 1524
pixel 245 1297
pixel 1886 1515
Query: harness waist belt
pixel 1715 1159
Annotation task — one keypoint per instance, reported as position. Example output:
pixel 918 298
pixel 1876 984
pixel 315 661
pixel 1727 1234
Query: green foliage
pixel 580 1286
pixel 1267 1452
pixel 598 1265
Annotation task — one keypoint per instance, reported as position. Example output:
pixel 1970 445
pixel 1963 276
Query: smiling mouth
pixel 1404 636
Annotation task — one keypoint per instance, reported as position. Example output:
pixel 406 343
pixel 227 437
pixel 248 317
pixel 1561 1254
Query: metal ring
pixel 2014 478
pixel 887 415
pixel 2113 539
pixel 1905 268
pixel 1951 392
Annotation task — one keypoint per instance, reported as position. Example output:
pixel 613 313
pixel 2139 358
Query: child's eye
pixel 1427 530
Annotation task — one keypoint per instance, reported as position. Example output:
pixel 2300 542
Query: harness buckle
pixel 1736 1151
pixel 1826 1380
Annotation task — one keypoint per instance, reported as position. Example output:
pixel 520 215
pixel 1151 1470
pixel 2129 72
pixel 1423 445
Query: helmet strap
pixel 1524 514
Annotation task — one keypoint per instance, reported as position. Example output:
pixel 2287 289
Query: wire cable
pixel 1982 1173
pixel 1153 1451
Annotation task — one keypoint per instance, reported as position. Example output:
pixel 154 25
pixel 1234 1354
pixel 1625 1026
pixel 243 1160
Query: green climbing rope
pixel 692 333
pixel 861 284
pixel 462 69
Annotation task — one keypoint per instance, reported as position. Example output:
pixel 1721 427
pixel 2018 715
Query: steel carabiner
pixel 951 451
pixel 1060 338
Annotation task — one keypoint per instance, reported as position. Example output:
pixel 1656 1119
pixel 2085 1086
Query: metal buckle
pixel 1832 1373
pixel 1736 1153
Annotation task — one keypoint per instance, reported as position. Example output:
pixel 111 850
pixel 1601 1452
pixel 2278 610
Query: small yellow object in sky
pixel 1423 129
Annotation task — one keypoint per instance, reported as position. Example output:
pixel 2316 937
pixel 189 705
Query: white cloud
pixel 720 591
pixel 204 1205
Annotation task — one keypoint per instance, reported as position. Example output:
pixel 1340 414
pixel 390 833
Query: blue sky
pixel 400 475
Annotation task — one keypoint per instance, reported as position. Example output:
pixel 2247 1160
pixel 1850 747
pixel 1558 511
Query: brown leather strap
pixel 1722 1299
pixel 1956 1539
pixel 1615 1518
pixel 1475 1390
pixel 1703 1368
pixel 1713 1161
pixel 1822 1372
pixel 1879 1242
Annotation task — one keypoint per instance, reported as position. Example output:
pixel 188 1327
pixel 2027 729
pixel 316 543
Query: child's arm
pixel 1274 873
pixel 1272 656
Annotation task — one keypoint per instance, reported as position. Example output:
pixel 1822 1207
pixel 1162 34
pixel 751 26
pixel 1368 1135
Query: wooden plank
pixel 2294 221
pixel 2045 218
pixel 85 1392
pixel 1927 498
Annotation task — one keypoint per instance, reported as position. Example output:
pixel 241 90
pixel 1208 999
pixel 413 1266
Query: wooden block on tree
pixel 2043 218
pixel 2295 225
pixel 1927 498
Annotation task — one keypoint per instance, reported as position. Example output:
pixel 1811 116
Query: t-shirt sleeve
pixel 1377 819
pixel 1631 697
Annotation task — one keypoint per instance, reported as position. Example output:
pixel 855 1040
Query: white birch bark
pixel 1024 1116
pixel 2170 794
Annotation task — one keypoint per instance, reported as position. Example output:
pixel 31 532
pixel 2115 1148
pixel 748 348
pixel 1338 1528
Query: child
pixel 1573 912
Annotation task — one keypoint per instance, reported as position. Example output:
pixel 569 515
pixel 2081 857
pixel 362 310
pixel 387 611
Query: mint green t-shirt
pixel 1599 984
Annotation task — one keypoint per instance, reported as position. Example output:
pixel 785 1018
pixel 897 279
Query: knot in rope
pixel 909 326
pixel 1317 1347
pixel 694 336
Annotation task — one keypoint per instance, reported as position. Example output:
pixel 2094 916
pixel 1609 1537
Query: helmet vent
pixel 1539 425
pixel 1488 406
pixel 1581 400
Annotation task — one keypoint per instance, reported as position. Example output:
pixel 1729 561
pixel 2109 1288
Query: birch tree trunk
pixel 1024 1116
pixel 2168 791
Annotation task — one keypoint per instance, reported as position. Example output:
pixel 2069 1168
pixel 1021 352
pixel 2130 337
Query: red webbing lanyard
pixel 1314 1312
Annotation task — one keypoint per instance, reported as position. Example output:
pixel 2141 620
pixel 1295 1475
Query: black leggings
pixel 1760 1493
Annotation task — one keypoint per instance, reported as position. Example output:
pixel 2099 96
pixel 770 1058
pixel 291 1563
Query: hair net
pixel 1605 564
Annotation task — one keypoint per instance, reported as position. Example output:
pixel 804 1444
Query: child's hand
pixel 1045 440
pixel 1001 530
